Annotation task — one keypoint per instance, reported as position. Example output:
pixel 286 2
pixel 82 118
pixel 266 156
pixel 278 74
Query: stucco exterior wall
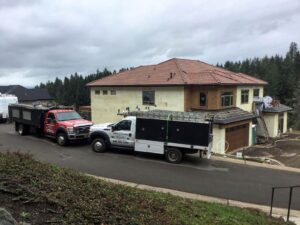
pixel 285 121
pixel 218 140
pixel 105 107
pixel 271 120
pixel 247 106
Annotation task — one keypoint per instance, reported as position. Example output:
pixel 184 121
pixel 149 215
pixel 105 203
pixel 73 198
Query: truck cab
pixel 120 134
pixel 65 125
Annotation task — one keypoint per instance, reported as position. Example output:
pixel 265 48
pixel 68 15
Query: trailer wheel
pixel 99 145
pixel 173 155
pixel 21 129
pixel 61 139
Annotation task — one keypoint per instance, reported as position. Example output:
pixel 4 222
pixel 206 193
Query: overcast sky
pixel 40 40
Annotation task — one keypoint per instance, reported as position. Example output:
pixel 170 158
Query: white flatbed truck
pixel 167 133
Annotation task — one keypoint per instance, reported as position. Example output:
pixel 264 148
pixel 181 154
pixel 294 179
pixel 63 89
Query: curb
pixel 277 212
pixel 250 163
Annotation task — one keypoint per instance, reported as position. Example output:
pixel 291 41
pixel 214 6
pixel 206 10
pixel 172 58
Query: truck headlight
pixel 70 129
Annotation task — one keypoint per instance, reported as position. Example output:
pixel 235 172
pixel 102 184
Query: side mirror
pixel 113 128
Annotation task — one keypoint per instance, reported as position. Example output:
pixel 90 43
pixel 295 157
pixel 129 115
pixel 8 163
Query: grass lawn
pixel 41 193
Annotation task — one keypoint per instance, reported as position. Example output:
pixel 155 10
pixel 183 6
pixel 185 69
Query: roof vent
pixel 148 76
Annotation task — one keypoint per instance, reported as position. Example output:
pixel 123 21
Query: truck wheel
pixel 99 145
pixel 22 129
pixel 61 139
pixel 173 155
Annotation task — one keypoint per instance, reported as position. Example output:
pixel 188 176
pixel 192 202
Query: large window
pixel 202 99
pixel 244 96
pixel 256 93
pixel 148 98
pixel 227 99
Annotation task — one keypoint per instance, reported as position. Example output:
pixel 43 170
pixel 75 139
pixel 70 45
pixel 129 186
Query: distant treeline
pixel 281 72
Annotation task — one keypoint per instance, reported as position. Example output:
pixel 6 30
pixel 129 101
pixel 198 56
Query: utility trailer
pixel 169 133
pixel 60 123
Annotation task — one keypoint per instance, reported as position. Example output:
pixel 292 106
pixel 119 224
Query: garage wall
pixel 105 107
pixel 271 120
pixel 218 140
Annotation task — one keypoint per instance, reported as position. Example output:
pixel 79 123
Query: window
pixel 244 96
pixel 97 92
pixel 256 93
pixel 70 115
pixel 105 92
pixel 202 99
pixel 148 97
pixel 123 125
pixel 50 118
pixel 227 99
pixel 113 92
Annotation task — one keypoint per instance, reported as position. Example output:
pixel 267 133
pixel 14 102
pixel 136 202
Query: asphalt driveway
pixel 207 177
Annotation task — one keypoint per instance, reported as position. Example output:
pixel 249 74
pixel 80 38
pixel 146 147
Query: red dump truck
pixel 60 123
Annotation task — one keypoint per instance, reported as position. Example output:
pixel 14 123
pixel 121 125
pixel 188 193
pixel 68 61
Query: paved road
pixel 206 177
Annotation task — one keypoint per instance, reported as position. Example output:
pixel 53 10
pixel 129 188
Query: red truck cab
pixel 65 125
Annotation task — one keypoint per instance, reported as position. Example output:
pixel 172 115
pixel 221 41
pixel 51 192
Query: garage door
pixel 237 137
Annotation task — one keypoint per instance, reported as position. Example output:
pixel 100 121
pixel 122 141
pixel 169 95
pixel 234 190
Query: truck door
pixel 50 124
pixel 122 134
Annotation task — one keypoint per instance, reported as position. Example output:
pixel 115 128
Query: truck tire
pixel 173 155
pixel 61 139
pixel 22 129
pixel 99 145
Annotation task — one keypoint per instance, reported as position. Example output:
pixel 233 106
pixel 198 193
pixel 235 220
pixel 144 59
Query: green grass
pixel 66 197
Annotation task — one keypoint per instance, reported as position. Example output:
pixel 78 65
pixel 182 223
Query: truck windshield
pixel 62 116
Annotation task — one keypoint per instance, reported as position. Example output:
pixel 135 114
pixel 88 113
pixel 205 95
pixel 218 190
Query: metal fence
pixel 290 198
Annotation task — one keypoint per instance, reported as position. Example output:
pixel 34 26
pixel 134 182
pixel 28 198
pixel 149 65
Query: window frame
pixel 205 94
pixel 113 92
pixel 148 102
pixel 97 92
pixel 245 97
pixel 226 95
pixel 105 92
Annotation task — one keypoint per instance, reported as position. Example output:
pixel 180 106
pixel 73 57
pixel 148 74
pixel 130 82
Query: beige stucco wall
pixel 105 107
pixel 271 120
pixel 218 140
pixel 247 106
pixel 285 120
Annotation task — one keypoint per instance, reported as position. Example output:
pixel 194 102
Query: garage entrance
pixel 237 137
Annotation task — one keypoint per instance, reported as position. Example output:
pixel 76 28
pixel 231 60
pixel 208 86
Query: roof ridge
pixel 179 69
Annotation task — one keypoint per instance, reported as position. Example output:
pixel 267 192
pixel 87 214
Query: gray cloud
pixel 40 40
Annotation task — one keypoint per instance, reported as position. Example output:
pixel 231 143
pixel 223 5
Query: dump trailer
pixel 168 133
pixel 60 123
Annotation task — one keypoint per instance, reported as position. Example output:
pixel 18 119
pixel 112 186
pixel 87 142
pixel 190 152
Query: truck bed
pixel 29 115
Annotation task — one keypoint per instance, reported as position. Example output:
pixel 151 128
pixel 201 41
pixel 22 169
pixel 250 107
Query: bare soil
pixel 285 150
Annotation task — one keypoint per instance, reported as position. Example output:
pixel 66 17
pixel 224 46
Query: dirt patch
pixel 286 150
pixel 34 213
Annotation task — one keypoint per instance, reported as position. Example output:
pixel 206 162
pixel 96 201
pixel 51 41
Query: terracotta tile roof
pixel 177 72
